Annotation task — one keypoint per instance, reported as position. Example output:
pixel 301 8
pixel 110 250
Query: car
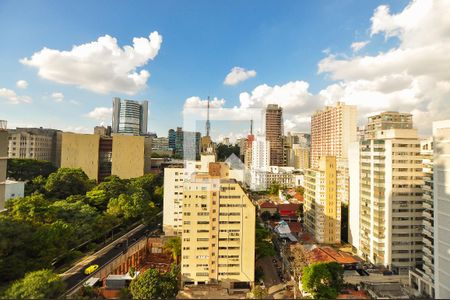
pixel 91 269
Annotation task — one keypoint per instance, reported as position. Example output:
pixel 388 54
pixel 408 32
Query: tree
pixel 224 151
pixel 300 211
pixel 37 185
pixel 274 188
pixel 43 284
pixel 66 182
pixel 154 285
pixel 25 169
pixel 263 245
pixel 265 215
pixel 131 207
pixel 173 245
pixel 300 190
pixel 259 292
pixel 276 216
pixel 30 208
pixel 323 280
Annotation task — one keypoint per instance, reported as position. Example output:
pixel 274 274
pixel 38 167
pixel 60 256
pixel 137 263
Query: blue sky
pixel 283 41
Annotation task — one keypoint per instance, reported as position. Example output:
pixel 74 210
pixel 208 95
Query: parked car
pixel 91 269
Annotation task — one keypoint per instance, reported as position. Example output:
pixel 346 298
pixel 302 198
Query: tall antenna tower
pixel 208 124
pixel 251 127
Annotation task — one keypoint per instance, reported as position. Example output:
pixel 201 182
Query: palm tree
pixel 173 245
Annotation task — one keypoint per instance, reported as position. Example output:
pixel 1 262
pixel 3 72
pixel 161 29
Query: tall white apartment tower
pixel 441 194
pixel 391 204
pixel 260 153
pixel 129 116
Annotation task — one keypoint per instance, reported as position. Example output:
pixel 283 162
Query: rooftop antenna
pixel 208 124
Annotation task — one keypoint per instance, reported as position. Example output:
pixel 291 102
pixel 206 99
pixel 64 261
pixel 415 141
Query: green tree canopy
pixel 263 243
pixel 259 292
pixel 43 284
pixel 130 207
pixel 154 285
pixel 323 280
pixel 29 208
pixel 224 151
pixel 173 245
pixel 265 215
pixel 66 182
pixel 25 169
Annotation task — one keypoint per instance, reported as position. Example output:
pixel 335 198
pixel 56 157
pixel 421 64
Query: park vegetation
pixel 323 280
pixel 63 210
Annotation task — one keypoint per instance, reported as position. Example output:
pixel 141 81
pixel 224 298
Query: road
pixel 75 275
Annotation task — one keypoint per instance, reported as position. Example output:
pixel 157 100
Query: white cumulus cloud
pixel 22 84
pixel 101 66
pixel 57 96
pixel 411 77
pixel 11 97
pixel 100 113
pixel 356 46
pixel 238 74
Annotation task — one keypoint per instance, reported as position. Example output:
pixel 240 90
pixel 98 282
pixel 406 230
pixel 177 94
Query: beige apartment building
pixel 101 156
pixel 300 156
pixel 3 161
pixel 322 202
pixel 390 201
pixel 218 239
pixel 332 130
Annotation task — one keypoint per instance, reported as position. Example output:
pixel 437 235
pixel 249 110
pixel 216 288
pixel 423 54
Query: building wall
pixel 81 151
pixel 354 202
pixel 274 134
pixel 14 189
pixel 218 236
pixel 3 162
pixel 300 156
pixel 391 208
pixel 332 130
pixel 441 190
pixel 131 156
pixel 322 204
pixel 173 200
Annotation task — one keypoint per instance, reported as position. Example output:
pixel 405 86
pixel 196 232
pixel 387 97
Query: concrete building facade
pixel 218 239
pixel 322 203
pixel 391 179
pixel 332 130
pixel 3 161
pixel 34 143
pixel 441 202
pixel 122 155
pixel 274 134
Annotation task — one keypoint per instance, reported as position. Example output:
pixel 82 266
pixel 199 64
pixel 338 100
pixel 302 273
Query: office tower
pixel 160 144
pixel 218 239
pixel 191 145
pixel 172 136
pixel 248 157
pixel 332 130
pixel 300 156
pixel 102 156
pixel 3 161
pixel 391 201
pixel 422 278
pixel 322 202
pixel 34 143
pixel 441 201
pixel 274 134
pixel 129 117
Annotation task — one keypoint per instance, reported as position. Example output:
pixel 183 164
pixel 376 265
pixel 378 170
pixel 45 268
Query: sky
pixel 62 62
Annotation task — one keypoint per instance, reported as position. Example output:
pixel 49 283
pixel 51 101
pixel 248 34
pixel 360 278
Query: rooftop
pixel 328 254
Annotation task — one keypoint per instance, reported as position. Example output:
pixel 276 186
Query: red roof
pixel 328 254
pixel 267 204
pixel 295 227
pixel 299 197
pixel 352 294
pixel 288 207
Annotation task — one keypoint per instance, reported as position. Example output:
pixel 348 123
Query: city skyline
pixel 274 62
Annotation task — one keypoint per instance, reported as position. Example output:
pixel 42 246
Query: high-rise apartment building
pixel 218 239
pixel 322 202
pixel 441 195
pixel 34 143
pixel 187 144
pixel 422 277
pixel 332 130
pixel 129 117
pixel 390 201
pixel 171 136
pixel 300 156
pixel 100 156
pixel 3 161
pixel 274 134
pixel 388 120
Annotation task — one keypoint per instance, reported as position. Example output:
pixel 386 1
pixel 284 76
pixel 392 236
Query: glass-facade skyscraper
pixel 129 116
